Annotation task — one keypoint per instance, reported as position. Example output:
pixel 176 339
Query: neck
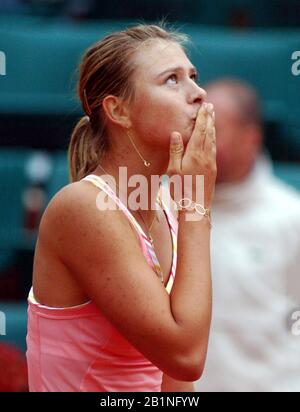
pixel 132 177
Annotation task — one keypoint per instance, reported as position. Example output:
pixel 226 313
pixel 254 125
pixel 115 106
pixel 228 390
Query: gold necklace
pixel 150 238
pixel 146 163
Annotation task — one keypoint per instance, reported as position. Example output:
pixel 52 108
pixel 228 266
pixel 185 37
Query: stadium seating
pixel 60 175
pixel 245 13
pixel 289 173
pixel 42 57
pixel 13 182
pixel 6 260
pixel 263 59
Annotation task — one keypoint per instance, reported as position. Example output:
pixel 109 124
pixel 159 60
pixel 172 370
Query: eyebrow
pixel 176 69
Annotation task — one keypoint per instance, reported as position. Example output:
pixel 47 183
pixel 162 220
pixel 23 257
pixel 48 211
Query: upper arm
pixel 102 253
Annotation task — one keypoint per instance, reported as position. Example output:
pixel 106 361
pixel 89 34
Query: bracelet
pixel 190 205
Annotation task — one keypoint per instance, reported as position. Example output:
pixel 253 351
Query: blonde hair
pixel 107 68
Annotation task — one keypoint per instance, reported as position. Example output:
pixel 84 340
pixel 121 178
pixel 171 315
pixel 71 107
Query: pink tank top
pixel 76 349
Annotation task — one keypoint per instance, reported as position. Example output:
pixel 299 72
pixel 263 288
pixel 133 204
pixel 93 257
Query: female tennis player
pixel 121 299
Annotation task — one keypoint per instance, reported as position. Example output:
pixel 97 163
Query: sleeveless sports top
pixel 76 349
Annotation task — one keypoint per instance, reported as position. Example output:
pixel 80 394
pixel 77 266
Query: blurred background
pixel 41 42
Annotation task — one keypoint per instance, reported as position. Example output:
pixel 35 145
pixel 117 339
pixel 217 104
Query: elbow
pixel 193 362
pixel 195 368
pixel 188 368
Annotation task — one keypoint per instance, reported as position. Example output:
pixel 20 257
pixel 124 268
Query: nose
pixel 197 95
pixel 203 93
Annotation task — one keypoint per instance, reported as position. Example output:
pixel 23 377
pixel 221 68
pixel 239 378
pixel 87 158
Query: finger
pixel 209 125
pixel 210 108
pixel 198 135
pixel 211 136
pixel 210 140
pixel 176 154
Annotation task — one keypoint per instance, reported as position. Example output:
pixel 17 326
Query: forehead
pixel 159 55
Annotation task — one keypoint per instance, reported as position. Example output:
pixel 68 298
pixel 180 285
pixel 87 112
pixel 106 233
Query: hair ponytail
pixel 83 152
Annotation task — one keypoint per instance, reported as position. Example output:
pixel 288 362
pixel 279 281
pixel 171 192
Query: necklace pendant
pixel 147 164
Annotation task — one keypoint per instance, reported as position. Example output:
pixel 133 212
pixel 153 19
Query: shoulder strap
pixel 101 184
pixel 173 223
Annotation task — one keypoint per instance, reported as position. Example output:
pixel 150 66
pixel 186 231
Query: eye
pixel 172 77
pixel 195 77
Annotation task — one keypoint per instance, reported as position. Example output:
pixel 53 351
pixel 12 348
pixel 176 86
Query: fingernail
pixel 210 107
pixel 176 138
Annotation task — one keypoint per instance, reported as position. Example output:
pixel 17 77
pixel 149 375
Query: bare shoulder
pixel 73 213
pixel 68 200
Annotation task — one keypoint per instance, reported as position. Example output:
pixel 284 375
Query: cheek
pixel 156 118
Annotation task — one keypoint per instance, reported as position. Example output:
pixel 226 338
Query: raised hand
pixel 199 156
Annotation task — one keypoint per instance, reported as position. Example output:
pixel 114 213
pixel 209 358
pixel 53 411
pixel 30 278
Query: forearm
pixel 191 293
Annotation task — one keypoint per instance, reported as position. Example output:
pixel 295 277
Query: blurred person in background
pixel 255 256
